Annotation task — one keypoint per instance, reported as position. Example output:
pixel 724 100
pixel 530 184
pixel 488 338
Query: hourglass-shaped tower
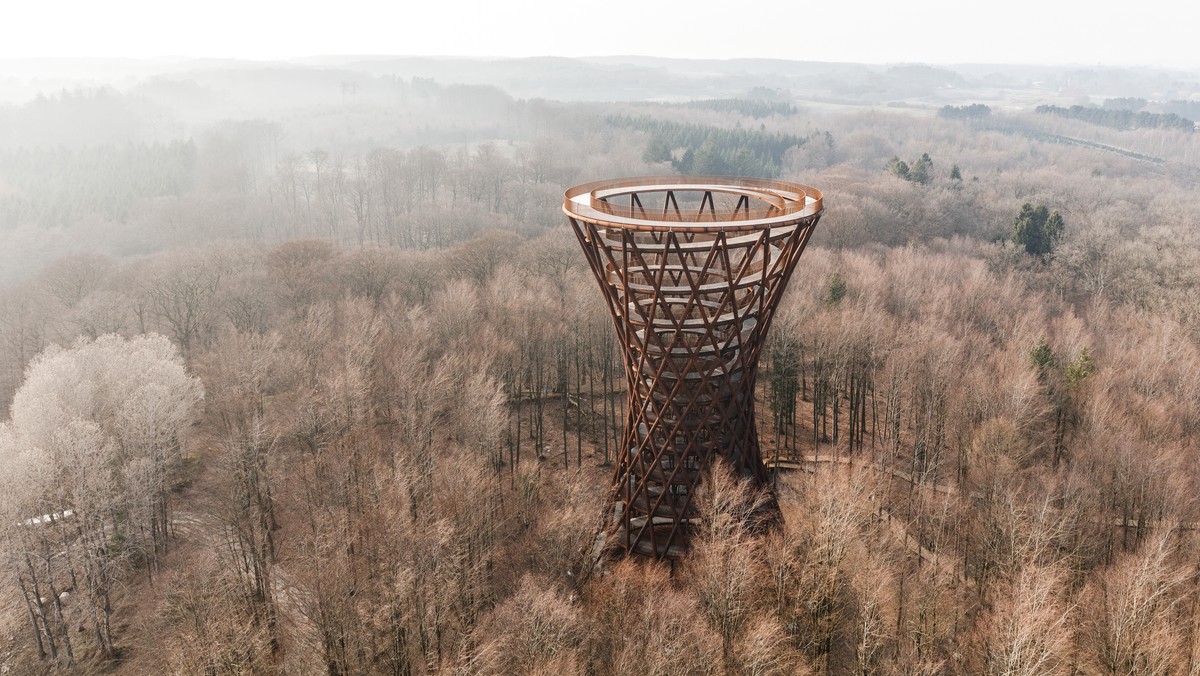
pixel 692 269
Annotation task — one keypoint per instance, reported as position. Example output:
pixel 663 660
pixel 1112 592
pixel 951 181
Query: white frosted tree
pixel 24 548
pixel 89 458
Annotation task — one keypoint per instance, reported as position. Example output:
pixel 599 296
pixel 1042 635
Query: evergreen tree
pixel 973 111
pixel 1037 229
pixel 921 171
pixel 1079 369
pixel 898 167
pixel 659 150
pixel 1042 358
pixel 835 289
pixel 685 164
pixel 708 160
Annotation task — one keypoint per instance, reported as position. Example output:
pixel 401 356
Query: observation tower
pixel 692 269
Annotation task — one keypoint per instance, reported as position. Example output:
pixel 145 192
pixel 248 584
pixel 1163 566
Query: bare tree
pixel 1129 615
pixel 1028 632
pixel 180 294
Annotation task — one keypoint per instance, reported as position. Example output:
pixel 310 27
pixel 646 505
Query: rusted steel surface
pixel 692 269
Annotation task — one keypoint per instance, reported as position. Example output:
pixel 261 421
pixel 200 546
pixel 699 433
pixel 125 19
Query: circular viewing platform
pixel 692 203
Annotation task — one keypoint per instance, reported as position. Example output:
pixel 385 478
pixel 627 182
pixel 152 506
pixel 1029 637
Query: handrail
pixel 763 203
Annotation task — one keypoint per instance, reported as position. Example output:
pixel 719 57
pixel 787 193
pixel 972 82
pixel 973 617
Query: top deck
pixel 669 203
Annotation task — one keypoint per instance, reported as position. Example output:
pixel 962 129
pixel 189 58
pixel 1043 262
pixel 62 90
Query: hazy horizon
pixel 1024 32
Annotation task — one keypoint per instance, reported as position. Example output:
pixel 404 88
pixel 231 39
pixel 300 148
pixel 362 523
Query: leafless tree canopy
pixel 302 371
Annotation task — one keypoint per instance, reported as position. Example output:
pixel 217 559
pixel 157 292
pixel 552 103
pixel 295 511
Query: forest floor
pixel 8 633
pixel 146 602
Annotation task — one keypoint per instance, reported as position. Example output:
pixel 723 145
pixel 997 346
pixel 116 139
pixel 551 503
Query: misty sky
pixel 1156 32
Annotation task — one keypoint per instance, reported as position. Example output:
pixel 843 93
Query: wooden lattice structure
pixel 692 269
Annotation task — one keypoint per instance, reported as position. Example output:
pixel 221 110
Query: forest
pixel 303 372
pixel 1119 118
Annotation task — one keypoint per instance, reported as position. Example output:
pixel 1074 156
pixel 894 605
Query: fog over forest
pixel 302 370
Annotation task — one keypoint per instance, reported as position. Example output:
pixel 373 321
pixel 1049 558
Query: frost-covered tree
pixel 88 459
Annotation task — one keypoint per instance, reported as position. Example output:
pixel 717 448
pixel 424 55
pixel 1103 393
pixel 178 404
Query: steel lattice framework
pixel 692 269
